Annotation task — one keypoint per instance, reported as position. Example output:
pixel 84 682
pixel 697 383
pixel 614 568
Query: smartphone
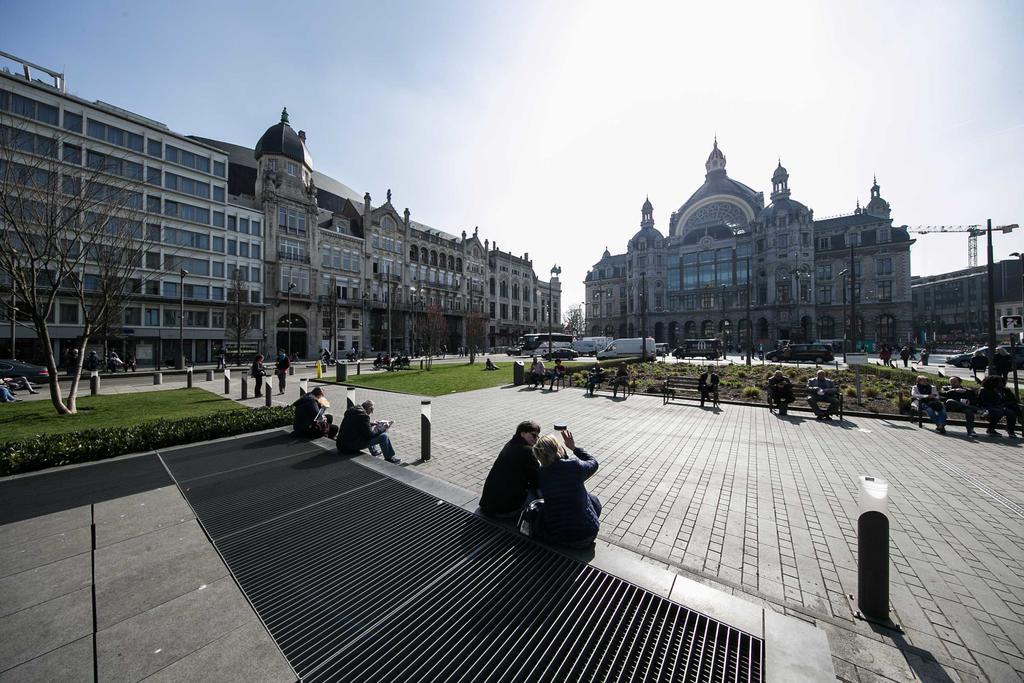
pixel 560 427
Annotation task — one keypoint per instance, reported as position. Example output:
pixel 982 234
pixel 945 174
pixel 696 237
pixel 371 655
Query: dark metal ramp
pixel 360 577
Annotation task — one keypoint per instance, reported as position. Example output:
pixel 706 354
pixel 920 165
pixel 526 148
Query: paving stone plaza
pixel 766 508
pixel 758 508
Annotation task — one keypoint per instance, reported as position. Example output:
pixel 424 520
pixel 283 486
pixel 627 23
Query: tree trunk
pixel 472 356
pixel 62 407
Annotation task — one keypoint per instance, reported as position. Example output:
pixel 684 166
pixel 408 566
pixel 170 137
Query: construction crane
pixel 973 232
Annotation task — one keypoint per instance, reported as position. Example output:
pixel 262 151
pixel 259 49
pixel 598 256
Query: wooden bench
pixel 609 384
pixel 684 388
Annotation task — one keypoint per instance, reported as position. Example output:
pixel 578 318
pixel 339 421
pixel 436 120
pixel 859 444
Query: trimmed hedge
pixel 54 450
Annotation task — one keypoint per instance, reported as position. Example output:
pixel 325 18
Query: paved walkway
pixel 766 508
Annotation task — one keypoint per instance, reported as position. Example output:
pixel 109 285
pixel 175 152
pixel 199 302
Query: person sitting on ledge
pixel 821 389
pixel 512 481
pixel 556 373
pixel 780 389
pixel 621 380
pixel 707 384
pixel 924 396
pixel 959 399
pixel 357 433
pixel 594 378
pixel 571 512
pixel 311 417
pixel 537 372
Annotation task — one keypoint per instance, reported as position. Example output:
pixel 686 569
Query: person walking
pixel 979 363
pixel 571 513
pixel 281 370
pixel 1003 362
pixel 257 371
pixel 905 355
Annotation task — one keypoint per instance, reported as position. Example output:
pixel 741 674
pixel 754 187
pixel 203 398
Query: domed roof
pixel 281 139
pixel 647 232
pixel 783 207
pixel 781 174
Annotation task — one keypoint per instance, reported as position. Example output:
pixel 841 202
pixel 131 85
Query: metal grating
pixel 360 577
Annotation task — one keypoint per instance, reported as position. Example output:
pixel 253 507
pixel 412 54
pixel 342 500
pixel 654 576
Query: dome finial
pixel 716 160
pixel 284 115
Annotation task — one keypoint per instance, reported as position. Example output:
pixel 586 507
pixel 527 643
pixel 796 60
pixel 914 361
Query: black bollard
pixel 245 387
pixel 268 390
pixel 358 369
pixel 209 375
pixel 350 397
pixel 291 369
pixel 424 431
pixel 188 378
pixel 341 372
pixel 873 549
pixel 303 387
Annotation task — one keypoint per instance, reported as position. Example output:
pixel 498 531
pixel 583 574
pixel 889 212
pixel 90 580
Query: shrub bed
pixel 54 450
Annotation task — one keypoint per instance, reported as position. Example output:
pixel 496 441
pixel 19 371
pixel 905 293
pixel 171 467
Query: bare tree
pixel 434 332
pixel 241 316
pixel 575 322
pixel 67 230
pixel 476 333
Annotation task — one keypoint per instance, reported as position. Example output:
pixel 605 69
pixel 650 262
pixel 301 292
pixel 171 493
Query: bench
pixel 609 384
pixel 802 398
pixel 684 388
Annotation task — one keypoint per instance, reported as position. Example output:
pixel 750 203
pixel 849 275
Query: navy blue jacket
pixel 569 514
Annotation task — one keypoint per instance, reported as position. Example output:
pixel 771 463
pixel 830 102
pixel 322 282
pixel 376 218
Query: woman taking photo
pixel 570 515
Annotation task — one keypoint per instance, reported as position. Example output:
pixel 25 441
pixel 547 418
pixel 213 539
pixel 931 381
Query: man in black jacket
pixel 311 417
pixel 959 399
pixel 357 433
pixel 513 475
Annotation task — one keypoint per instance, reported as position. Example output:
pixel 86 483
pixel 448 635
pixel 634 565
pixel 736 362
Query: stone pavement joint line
pixel 766 508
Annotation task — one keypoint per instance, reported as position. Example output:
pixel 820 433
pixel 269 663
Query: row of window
pixel 339 258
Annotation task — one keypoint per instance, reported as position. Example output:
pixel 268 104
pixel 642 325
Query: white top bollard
pixel 874 495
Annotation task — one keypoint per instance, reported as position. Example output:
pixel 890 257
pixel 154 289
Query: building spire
pixel 284 115
pixel 716 160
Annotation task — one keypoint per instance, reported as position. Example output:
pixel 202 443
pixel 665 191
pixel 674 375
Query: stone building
pixel 954 306
pixel 725 248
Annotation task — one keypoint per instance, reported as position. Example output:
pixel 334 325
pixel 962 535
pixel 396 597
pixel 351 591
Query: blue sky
pixel 547 124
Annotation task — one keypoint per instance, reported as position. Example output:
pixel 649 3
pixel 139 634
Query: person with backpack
pixel 281 370
pixel 570 515
pixel 258 372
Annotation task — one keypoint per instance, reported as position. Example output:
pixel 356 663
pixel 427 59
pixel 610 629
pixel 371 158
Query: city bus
pixel 531 344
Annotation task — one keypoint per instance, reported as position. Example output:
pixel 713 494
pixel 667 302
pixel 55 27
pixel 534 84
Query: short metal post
pixel 424 431
pixel 158 378
pixel 291 369
pixel 94 384
pixel 341 372
pixel 358 368
pixel 209 375
pixel 268 390
pixel 303 387
pixel 350 397
pixel 227 381
pixel 421 363
pixel 245 387
pixel 188 378
pixel 873 549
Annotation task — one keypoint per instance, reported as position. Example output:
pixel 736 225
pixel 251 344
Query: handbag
pixel 530 518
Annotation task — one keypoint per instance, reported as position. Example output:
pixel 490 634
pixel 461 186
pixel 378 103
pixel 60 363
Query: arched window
pixel 762 328
pixel 673 333
pixel 504 289
pixel 414 253
pixel 515 290
pixel 451 262
pixel 458 264
pixel 297 321
pixel 827 327
pixel 659 332
pixel 433 257
pixel 622 330
pixel 387 223
pixel 690 330
pixel 492 286
pixel 707 329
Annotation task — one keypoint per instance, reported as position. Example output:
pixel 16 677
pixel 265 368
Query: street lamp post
pixel 1020 255
pixel 291 286
pixel 555 271
pixel 846 326
pixel 14 314
pixel 992 293
pixel 750 323
pixel 853 297
pixel 181 319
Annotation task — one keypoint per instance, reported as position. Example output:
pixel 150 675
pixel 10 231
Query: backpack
pixel 530 518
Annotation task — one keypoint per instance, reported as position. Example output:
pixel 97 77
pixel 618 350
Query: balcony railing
pixel 292 256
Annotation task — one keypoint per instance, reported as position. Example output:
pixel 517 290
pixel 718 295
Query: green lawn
pixel 443 379
pixel 22 420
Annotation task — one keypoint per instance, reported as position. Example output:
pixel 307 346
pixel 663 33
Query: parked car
pixel 564 354
pixel 817 353
pixel 963 360
pixel 16 368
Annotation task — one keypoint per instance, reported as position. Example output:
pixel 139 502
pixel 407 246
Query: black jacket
pixel 963 394
pixel 979 362
pixel 511 475
pixel 306 410
pixel 1004 364
pixel 355 432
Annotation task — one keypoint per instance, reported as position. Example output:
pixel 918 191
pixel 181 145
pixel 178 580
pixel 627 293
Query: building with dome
pixel 733 268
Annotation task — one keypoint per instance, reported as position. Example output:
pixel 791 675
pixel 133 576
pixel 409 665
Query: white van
pixel 627 348
pixel 589 346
